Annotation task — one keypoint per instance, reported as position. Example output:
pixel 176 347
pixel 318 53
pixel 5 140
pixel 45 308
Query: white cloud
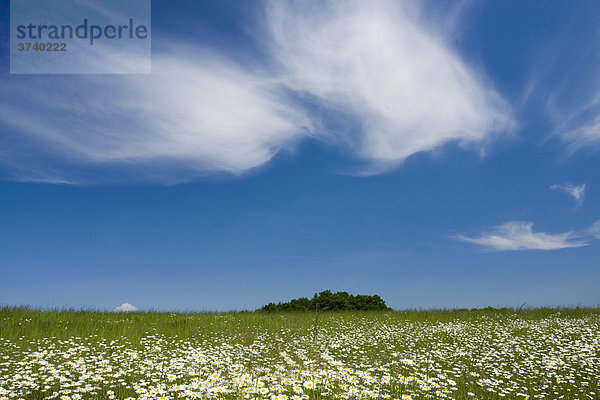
pixel 583 135
pixel 578 125
pixel 577 191
pixel 518 235
pixel 385 86
pixel 399 86
pixel 125 307
pixel 573 102
pixel 193 115
pixel 595 230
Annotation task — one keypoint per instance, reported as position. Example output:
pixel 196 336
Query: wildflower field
pixel 482 354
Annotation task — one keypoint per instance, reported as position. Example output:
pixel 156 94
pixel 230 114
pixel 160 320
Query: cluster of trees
pixel 328 301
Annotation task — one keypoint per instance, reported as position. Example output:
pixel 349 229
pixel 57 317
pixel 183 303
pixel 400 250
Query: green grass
pixel 23 322
pixel 459 354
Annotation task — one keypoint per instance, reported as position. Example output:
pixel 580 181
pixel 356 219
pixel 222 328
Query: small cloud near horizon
pixel 519 235
pixel 126 307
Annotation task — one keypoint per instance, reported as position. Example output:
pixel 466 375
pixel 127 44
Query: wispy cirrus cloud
pixel 573 102
pixel 192 116
pixel 386 83
pixel 519 235
pixel 594 230
pixel 398 85
pixel 582 133
pixel 576 191
pixel 578 124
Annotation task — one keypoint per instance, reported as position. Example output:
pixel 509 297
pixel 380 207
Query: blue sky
pixel 440 155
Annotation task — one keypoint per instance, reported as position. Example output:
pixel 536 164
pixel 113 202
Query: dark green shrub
pixel 328 301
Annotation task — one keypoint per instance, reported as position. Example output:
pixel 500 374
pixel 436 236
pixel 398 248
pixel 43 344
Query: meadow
pixel 480 354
